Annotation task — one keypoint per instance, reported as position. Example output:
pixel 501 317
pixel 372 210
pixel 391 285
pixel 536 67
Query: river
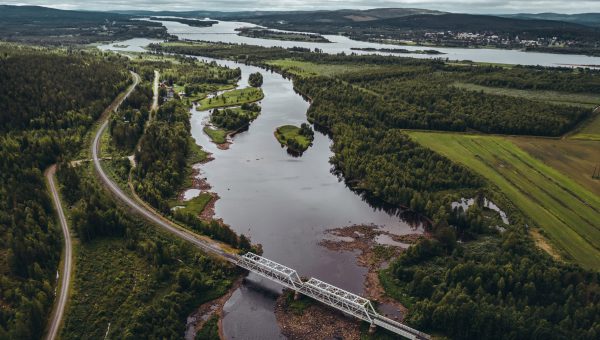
pixel 286 203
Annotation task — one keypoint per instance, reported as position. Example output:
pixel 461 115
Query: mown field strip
pixel 564 209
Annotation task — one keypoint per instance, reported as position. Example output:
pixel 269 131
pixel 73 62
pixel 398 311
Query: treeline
pixel 423 98
pixel 574 80
pixel 496 288
pixel 162 154
pixel 175 278
pixel 49 99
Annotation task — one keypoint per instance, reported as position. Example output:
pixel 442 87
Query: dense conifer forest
pixel 48 101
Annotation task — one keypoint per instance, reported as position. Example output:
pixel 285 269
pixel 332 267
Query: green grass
pixel 232 98
pixel 197 154
pixel 308 69
pixel 287 132
pixel 591 131
pixel 588 100
pixel 568 213
pixel 194 206
pixel 218 136
pixel 574 158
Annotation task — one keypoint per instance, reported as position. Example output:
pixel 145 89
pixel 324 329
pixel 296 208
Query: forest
pixel 129 275
pixel 33 135
pixel 49 26
pixel 127 125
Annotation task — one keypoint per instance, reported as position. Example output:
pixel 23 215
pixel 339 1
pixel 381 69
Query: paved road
pixel 155 97
pixel 61 302
pixel 205 245
pixel 59 307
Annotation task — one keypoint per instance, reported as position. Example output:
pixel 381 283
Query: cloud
pixel 465 6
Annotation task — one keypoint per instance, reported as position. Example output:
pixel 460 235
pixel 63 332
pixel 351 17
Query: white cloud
pixel 466 6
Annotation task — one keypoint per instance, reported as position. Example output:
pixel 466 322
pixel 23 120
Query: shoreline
pixel 205 311
pixel 377 247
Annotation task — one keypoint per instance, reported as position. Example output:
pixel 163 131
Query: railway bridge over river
pixel 340 299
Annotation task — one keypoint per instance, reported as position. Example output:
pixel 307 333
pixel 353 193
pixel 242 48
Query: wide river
pixel 287 203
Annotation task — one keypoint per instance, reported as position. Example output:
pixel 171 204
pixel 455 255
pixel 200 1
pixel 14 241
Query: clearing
pixel 232 98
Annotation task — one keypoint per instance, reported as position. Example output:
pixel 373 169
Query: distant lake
pixel 224 31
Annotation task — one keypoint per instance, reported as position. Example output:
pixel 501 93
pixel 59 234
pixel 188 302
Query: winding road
pixel 67 270
pixel 207 245
pixel 61 302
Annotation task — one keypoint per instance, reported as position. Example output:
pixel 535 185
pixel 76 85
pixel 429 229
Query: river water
pixel 286 203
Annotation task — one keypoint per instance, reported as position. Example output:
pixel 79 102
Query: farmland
pixel 566 212
pixel 574 158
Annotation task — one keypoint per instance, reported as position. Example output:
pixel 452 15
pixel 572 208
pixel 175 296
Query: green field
pixel 194 206
pixel 232 98
pixel 218 136
pixel 574 158
pixel 589 100
pixel 308 69
pixel 290 132
pixel 568 213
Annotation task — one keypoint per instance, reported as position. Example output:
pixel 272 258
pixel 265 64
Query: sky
pixel 457 6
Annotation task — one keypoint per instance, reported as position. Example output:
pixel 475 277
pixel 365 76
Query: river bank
pixel 376 247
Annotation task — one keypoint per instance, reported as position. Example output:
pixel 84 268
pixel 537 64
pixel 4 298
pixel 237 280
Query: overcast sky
pixel 466 6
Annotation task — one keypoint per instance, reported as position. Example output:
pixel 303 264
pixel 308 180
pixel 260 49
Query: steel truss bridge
pixel 337 298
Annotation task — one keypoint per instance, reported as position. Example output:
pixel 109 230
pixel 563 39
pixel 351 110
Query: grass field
pixel 574 158
pixel 552 97
pixel 568 213
pixel 287 132
pixel 232 98
pixel 218 136
pixel 304 68
pixel 194 206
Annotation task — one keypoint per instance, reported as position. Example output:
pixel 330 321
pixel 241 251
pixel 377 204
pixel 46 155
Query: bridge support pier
pixel 372 328
pixel 296 295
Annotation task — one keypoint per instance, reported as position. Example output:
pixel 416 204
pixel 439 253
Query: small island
pixel 396 50
pixel 189 22
pixel 261 33
pixel 229 121
pixel 297 139
pixel 255 79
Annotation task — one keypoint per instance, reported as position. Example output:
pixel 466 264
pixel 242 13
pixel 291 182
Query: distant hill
pixel 589 19
pixel 470 22
pixel 342 15
pixel 386 20
pixel 48 25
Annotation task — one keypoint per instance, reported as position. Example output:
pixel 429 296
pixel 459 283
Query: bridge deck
pixel 335 297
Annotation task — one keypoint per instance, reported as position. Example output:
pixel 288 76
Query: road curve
pixel 155 218
pixel 61 302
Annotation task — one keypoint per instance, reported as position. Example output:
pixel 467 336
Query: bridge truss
pixel 330 295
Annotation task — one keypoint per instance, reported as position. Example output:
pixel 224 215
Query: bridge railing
pixel 330 295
